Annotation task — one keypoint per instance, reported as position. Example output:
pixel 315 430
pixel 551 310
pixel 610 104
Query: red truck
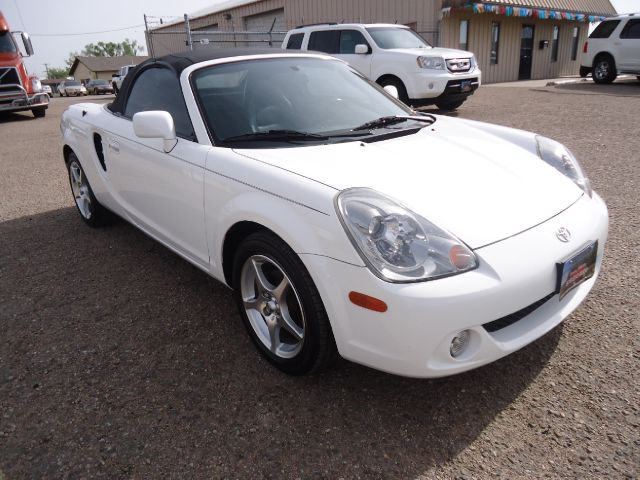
pixel 19 91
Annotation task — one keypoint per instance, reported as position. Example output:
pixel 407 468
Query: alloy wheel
pixel 272 306
pixel 80 189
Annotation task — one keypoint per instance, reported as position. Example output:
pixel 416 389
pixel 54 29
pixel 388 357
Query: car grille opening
pixel 458 65
pixel 509 320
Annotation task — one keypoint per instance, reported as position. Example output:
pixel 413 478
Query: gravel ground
pixel 120 360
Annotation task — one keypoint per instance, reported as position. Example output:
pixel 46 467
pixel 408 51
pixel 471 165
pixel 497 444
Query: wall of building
pixel 422 15
pixel 81 72
pixel 509 49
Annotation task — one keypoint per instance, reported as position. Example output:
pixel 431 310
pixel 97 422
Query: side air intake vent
pixel 97 143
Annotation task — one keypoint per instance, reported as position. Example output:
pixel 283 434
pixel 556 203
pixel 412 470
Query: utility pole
pixel 188 28
pixel 149 37
pixel 46 67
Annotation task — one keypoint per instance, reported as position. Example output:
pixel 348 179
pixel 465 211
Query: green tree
pixel 112 49
pixel 58 72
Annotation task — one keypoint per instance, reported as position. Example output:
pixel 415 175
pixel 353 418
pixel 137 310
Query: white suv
pixel 397 56
pixel 613 48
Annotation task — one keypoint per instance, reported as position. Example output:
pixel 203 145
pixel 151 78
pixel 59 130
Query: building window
pixel 574 43
pixel 463 44
pixel 495 42
pixel 554 43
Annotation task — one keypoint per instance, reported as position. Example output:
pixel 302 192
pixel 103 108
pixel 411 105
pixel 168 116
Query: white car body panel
pixel 513 205
pixel 486 182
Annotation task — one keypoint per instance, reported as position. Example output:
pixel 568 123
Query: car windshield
pixel 300 97
pixel 389 38
pixel 6 43
pixel 71 84
pixel 98 82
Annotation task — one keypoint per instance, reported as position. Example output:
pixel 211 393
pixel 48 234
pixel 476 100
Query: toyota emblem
pixel 563 234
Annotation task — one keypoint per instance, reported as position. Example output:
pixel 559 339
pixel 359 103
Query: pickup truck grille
pixel 9 76
pixel 459 65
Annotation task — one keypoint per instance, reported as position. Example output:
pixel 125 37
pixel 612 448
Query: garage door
pixel 262 22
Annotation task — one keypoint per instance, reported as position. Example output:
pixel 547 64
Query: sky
pixel 60 27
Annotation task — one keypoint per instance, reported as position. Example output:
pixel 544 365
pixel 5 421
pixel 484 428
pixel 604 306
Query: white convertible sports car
pixel 344 221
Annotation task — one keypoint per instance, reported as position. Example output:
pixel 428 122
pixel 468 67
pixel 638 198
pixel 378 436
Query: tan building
pixel 101 67
pixel 512 39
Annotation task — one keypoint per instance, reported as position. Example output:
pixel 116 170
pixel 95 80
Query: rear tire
pixel 604 70
pixel 281 307
pixel 39 112
pixel 396 82
pixel 90 210
pixel 449 106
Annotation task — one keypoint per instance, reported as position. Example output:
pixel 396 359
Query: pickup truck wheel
pixel 39 112
pixel 449 106
pixel 604 70
pixel 281 307
pixel 394 82
pixel 91 211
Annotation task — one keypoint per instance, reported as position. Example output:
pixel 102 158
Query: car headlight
pixel 397 244
pixel 36 85
pixel 432 63
pixel 561 158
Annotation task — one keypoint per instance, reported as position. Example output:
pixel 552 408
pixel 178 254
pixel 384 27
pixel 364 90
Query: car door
pixel 162 192
pixel 628 46
pixel 360 61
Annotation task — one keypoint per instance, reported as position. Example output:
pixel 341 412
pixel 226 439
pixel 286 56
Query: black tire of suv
pixel 39 112
pixel 449 106
pixel 604 69
pixel 395 82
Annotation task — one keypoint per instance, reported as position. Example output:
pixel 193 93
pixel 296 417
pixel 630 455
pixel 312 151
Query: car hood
pixel 475 184
pixel 435 51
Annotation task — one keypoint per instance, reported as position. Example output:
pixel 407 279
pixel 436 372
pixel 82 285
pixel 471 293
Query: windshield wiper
pixel 391 119
pixel 276 135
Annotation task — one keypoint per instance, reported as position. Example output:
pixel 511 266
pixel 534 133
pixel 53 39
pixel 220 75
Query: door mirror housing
pixel 391 90
pixel 156 124
pixel 362 49
pixel 26 41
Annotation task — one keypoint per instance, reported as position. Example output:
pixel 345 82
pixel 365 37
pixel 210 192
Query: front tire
pixel 449 106
pixel 397 83
pixel 90 210
pixel 39 112
pixel 281 307
pixel 604 70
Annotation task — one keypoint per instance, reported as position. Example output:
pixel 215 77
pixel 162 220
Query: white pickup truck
pixel 117 78
pixel 394 55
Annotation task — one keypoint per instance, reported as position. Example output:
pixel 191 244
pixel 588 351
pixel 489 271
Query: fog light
pixel 459 343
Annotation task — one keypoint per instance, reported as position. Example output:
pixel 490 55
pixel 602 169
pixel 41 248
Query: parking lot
pixel 118 359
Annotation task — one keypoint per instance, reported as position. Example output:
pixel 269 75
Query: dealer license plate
pixel 465 86
pixel 579 268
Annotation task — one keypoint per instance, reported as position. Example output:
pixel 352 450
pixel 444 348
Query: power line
pixel 15 2
pixel 84 33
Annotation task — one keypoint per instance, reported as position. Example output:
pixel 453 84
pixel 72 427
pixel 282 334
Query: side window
pixel 327 41
pixel 604 29
pixel 159 89
pixel 295 41
pixel 631 29
pixel 349 39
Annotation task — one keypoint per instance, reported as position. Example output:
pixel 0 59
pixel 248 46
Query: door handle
pixel 114 146
pixel 617 43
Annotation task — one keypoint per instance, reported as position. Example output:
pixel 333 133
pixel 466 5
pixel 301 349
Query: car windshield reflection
pixel 325 99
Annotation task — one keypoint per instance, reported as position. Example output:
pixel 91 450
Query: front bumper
pixel 14 98
pixel 429 86
pixel 413 337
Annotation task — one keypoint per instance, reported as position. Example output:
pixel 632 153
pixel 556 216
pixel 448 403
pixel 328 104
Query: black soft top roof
pixel 179 61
